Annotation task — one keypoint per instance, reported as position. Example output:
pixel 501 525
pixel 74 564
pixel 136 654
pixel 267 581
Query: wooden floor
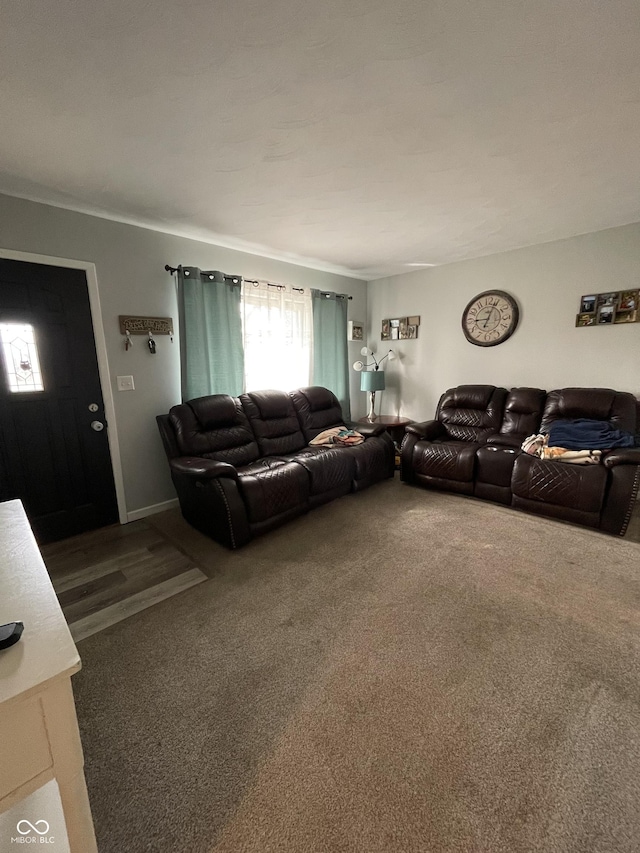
pixel 109 574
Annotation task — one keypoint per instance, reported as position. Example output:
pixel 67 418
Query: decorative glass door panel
pixel 20 357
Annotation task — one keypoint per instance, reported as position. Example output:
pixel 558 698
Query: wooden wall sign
pixel 144 325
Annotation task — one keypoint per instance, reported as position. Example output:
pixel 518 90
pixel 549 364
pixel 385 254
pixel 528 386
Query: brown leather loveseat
pixel 473 447
pixel 243 466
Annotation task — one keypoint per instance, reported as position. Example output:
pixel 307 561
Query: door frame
pixel 101 352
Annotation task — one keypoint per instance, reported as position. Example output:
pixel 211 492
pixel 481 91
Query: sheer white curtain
pixel 277 325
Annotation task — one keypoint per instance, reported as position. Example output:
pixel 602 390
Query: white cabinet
pixel 39 738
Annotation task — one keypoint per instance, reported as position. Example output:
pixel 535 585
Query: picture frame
pixel 587 318
pixel 607 309
pixel 588 305
pixel 400 328
pixel 626 316
pixel 606 300
pixel 606 313
pixel 355 330
pixel 628 300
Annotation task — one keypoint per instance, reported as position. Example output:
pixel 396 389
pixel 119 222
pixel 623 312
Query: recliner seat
pixel 318 409
pixel 592 495
pixel 445 457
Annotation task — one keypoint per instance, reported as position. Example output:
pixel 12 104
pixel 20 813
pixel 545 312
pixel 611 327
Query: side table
pixel 394 426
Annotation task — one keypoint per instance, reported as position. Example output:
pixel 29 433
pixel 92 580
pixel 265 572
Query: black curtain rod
pixel 234 278
pixel 255 282
pixel 338 295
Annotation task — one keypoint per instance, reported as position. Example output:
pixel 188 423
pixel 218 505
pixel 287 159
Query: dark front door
pixel 54 452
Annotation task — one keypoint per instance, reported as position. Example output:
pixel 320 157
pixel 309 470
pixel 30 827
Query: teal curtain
pixel 210 333
pixel 330 354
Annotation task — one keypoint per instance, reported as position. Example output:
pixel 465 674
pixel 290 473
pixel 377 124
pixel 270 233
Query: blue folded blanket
pixel 587 434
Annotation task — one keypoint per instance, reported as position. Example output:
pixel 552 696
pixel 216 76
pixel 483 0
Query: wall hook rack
pixel 143 325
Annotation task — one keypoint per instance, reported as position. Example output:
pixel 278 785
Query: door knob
pixel 98 426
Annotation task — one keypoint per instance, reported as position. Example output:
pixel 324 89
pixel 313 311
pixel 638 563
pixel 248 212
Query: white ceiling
pixel 358 135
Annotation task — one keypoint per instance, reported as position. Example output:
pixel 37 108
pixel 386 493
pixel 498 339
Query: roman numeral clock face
pixel 490 318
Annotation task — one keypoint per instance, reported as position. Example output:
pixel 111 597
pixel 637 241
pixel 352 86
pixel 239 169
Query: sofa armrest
pixel 426 430
pixel 202 469
pixel 367 430
pixel 621 456
pixel 513 440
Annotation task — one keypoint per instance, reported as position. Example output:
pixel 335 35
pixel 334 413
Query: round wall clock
pixel 490 318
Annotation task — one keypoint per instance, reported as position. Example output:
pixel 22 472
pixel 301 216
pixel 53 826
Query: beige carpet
pixel 400 670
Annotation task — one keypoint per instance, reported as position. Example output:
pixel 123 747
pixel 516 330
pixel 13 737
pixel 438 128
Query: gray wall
pixel 546 351
pixel 132 280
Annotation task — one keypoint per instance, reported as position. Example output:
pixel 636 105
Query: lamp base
pixel 371 416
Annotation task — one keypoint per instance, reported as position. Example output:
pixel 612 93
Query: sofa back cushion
pixel 471 412
pixel 599 404
pixel 523 411
pixel 214 427
pixel 274 422
pixel 317 409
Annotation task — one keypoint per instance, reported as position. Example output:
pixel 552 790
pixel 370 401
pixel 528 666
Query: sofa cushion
pixel 274 422
pixel 523 411
pixel 317 409
pixel 272 487
pixel 577 487
pixel 602 404
pixel 329 468
pixel 445 460
pixel 471 412
pixel 214 427
pixel 374 458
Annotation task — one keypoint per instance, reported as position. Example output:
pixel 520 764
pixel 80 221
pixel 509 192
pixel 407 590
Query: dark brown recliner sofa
pixel 243 466
pixel 473 447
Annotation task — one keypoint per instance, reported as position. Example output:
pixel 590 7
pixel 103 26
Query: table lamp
pixel 372 380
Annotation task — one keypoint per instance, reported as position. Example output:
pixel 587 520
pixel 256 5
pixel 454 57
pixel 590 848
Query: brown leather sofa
pixel 473 447
pixel 243 466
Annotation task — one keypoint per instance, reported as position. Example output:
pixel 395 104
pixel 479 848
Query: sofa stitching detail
pixel 226 505
pixel 632 499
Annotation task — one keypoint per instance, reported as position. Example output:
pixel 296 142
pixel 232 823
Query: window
pixel 277 325
pixel 20 356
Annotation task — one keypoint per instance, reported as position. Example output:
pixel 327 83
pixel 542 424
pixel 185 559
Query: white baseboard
pixel 135 514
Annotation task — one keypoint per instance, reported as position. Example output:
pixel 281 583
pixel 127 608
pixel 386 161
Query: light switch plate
pixel 125 383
